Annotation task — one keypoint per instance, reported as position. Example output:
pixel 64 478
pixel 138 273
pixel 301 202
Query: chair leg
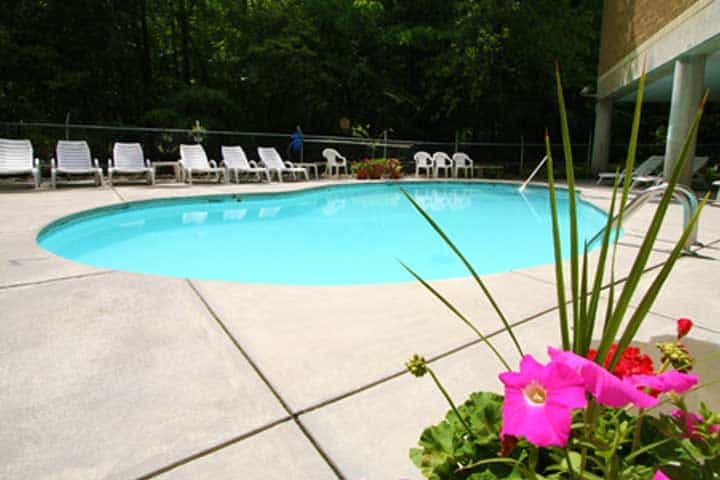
pixel 53 178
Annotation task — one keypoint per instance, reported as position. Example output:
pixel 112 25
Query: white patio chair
pixel 442 161
pixel 194 160
pixel 698 164
pixel 73 158
pixel 128 158
pixel 16 158
pixel 272 160
pixel 461 161
pixel 423 160
pixel 335 161
pixel 648 167
pixel 716 183
pixel 235 161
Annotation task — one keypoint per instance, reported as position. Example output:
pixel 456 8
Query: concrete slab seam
pixel 214 448
pixel 58 279
pixel 267 382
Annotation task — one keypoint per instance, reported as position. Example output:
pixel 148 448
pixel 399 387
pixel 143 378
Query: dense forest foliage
pixel 422 68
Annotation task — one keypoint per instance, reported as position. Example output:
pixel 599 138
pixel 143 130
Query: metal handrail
pixel 681 194
pixel 534 172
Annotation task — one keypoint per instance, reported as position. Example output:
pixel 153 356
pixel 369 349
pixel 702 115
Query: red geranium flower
pixel 632 362
pixel 683 327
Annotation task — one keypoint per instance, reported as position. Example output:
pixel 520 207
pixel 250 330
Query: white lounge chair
pixel 128 158
pixel 235 161
pixel 423 161
pixel 73 158
pixel 698 164
pixel 272 160
pixel 462 161
pixel 16 158
pixel 194 160
pixel 442 161
pixel 648 167
pixel 335 161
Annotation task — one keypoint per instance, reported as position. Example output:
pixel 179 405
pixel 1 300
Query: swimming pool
pixel 350 234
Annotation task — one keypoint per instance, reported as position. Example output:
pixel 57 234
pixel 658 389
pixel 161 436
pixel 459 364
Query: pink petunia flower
pixel 672 381
pixel 539 401
pixel 690 419
pixel 607 389
pixel 659 475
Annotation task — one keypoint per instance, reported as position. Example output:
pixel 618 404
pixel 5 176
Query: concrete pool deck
pixel 107 374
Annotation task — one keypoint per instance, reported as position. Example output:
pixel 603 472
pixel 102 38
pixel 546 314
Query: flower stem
pixel 447 397
pixel 638 429
pixel 534 454
pixel 571 472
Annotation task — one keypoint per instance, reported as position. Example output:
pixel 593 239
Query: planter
pixel 362 174
pixel 376 172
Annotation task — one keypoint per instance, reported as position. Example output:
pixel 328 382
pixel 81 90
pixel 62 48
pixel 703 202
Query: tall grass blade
pixel 600 271
pixel 559 277
pixel 649 298
pixel 641 259
pixel 457 313
pixel 572 208
pixel 472 271
pixel 583 323
pixel 627 182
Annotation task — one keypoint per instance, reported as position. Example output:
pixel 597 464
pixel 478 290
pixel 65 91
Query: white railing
pixel 534 172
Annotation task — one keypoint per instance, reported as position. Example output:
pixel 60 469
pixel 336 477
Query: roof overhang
pixel 695 32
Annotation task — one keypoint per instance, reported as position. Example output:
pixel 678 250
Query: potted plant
pixel 376 168
pixel 361 169
pixel 394 168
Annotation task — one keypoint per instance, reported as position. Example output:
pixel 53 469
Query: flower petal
pixel 665 382
pixel 608 389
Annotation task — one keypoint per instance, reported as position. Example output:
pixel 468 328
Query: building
pixel 679 40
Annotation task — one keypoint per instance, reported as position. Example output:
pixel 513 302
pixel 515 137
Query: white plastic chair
pixel 129 158
pixel 235 161
pixel 335 161
pixel 73 158
pixel 423 160
pixel 193 159
pixel 442 161
pixel 462 162
pixel 16 158
pixel 272 160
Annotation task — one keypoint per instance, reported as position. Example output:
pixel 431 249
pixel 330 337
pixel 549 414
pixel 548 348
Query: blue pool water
pixel 351 234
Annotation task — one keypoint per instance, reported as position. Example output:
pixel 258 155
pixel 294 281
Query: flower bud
pixel 683 327
pixel 416 365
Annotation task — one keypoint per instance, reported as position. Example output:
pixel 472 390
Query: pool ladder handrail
pixel 683 195
pixel 534 172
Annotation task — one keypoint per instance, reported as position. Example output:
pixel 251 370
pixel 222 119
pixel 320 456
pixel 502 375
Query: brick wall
pixel 628 23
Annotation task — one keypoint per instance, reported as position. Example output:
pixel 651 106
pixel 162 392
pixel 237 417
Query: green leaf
pixel 469 267
pixel 559 280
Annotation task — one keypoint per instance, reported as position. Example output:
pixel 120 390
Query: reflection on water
pixel 350 234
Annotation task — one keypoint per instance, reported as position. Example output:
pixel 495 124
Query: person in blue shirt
pixel 294 150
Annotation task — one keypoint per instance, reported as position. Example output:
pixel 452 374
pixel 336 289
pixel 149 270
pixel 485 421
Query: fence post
pixel 67 126
pixel 522 153
pixel 589 149
pixel 385 144
pixel 456 141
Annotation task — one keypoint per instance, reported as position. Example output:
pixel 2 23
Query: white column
pixel 601 137
pixel 688 87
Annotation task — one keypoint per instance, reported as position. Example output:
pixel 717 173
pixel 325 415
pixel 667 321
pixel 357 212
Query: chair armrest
pixel 147 163
pixel 213 163
pixel 289 164
pixel 36 162
pixel 110 162
pixel 253 164
pixel 344 160
pixel 223 164
pixel 53 162
pixel 181 163
pixel 96 163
